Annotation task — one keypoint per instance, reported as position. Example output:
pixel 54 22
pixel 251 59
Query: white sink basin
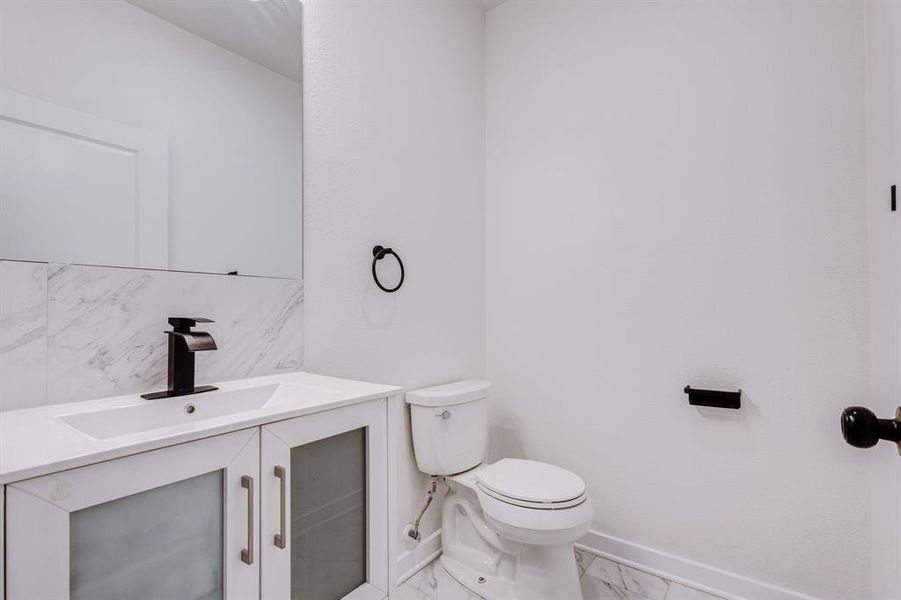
pixel 157 414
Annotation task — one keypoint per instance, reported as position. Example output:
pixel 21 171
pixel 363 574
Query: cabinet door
pixel 176 523
pixel 324 490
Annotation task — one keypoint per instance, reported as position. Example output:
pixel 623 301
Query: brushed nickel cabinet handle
pixel 280 536
pixel 247 553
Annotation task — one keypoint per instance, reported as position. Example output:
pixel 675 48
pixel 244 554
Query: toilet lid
pixel 531 481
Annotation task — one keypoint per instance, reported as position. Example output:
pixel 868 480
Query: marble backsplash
pixel 70 333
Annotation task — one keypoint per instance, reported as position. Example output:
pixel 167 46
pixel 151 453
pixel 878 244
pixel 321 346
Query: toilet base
pixel 542 572
pixel 492 588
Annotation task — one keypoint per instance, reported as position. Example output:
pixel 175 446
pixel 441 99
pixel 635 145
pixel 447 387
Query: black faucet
pixel 183 343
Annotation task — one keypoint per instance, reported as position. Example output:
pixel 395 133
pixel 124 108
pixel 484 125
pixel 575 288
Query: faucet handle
pixel 185 324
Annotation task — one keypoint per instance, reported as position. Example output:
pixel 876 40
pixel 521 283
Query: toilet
pixel 507 528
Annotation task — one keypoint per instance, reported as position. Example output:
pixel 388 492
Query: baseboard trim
pixel 410 562
pixel 730 586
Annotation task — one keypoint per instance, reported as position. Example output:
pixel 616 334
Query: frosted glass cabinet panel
pixel 324 533
pixel 179 523
pixel 162 543
pixel 328 517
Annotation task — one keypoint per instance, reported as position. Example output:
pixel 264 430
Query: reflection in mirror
pixel 152 133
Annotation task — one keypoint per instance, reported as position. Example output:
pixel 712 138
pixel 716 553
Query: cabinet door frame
pixel 39 509
pixel 277 439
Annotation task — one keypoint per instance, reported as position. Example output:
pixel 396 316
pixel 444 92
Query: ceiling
pixel 267 32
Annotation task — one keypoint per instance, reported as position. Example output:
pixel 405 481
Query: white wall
pixel 676 195
pixel 233 126
pixel 884 169
pixel 394 155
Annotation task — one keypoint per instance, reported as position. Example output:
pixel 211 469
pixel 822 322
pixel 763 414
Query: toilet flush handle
pixel 444 415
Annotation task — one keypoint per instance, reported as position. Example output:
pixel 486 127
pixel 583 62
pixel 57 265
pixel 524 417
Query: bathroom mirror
pixel 161 134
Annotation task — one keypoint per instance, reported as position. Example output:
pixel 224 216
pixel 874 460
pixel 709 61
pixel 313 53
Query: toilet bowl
pixel 507 528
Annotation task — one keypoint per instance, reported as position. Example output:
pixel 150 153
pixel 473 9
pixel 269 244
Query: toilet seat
pixel 536 526
pixel 531 502
pixel 531 484
pixel 533 505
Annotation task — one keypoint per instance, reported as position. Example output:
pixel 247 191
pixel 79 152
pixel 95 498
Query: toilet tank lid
pixel 449 394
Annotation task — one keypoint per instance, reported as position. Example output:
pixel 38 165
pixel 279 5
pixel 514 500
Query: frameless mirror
pixel 161 134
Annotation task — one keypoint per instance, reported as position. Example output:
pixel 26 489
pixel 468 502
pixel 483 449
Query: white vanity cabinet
pixel 292 509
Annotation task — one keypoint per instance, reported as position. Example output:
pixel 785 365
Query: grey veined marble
pixel 105 328
pixel 70 333
pixel 23 334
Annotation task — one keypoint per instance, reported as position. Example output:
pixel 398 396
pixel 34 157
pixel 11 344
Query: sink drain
pixel 189 409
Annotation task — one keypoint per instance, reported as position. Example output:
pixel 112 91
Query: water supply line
pixel 414 532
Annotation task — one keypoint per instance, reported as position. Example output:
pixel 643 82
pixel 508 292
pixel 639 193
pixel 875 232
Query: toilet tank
pixel 450 426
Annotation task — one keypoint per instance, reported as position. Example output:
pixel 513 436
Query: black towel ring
pixel 378 253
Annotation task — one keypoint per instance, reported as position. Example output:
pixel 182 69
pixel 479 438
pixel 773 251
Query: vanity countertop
pixel 39 441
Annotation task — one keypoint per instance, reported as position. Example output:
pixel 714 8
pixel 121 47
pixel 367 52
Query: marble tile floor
pixel 602 579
